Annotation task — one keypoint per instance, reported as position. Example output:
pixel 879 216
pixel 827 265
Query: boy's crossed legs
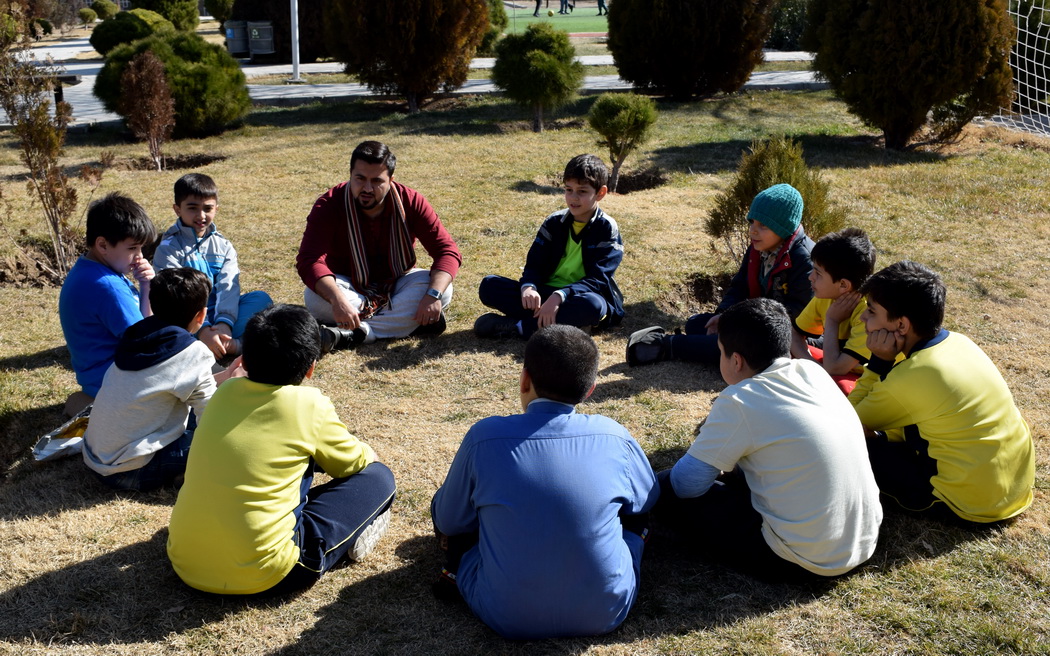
pixel 504 295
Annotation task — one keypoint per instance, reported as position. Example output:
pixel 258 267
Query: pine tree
pixel 685 48
pixel 895 61
pixel 411 48
pixel 537 69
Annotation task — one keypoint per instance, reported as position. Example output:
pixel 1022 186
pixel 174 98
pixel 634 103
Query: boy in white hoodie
pixel 140 430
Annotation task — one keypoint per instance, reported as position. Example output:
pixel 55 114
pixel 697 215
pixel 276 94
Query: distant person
pixel 776 265
pixel 141 424
pixel 842 261
pixel 602 8
pixel 544 514
pixel 538 3
pixel 945 437
pixel 358 261
pixel 194 241
pixel 797 500
pixel 568 275
pixel 247 520
pixel 98 302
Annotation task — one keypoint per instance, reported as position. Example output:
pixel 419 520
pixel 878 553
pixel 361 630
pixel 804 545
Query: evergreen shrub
pixel 684 48
pixel 789 22
pixel 894 62
pixel 105 8
pixel 498 22
pixel 537 69
pixel 206 82
pixel 770 162
pixel 622 120
pixel 410 48
pixel 128 26
pixel 182 13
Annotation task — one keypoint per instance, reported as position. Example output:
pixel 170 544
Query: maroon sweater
pixel 324 250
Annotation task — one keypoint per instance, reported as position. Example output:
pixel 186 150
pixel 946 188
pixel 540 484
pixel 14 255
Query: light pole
pixel 295 42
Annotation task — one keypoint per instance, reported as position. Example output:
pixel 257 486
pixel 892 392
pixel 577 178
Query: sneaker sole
pixel 369 537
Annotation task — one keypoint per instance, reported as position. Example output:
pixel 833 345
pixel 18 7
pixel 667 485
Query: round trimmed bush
pixel 105 9
pixel 206 82
pixel 128 26
pixel 87 16
pixel 182 13
pixel 622 120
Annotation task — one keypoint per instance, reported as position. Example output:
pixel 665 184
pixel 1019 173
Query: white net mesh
pixel 1030 60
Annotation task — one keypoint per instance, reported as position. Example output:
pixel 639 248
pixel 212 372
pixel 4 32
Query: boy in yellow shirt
pixel 247 520
pixel 842 261
pixel 944 435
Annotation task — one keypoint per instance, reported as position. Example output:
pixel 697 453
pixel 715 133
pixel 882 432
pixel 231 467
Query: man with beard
pixel 357 257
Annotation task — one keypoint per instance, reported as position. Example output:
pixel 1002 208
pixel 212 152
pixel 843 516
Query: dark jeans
pixel 504 295
pixel 724 525
pixel 331 517
pixel 695 345
pixel 164 468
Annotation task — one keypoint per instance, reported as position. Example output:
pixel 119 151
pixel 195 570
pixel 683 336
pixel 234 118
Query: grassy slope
pixel 83 570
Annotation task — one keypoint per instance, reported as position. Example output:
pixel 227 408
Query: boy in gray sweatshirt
pixel 140 430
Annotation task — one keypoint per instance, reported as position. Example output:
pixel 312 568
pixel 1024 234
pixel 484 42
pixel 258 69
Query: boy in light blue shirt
pixel 194 242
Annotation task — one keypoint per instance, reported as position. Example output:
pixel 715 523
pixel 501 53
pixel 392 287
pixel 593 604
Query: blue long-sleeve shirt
pixel 546 490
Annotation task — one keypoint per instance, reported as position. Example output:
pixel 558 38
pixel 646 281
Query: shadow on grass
pixel 530 187
pixel 124 596
pixel 58 355
pixel 397 354
pixel 823 151
pixel 38 489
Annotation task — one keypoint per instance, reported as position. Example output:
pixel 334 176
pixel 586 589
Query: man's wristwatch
pixel 433 293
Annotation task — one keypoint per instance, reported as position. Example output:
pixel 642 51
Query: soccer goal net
pixel 1030 61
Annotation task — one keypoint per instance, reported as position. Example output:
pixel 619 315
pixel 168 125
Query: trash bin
pixel 260 38
pixel 236 37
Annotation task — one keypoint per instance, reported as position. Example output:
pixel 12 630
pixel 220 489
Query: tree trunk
pixel 537 118
pixel 413 102
pixel 614 177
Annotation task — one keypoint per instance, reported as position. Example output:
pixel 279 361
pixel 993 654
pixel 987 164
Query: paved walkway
pixel 88 110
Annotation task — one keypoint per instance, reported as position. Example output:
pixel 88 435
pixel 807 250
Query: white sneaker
pixel 369 537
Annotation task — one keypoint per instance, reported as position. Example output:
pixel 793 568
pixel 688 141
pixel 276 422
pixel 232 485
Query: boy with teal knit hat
pixel 776 265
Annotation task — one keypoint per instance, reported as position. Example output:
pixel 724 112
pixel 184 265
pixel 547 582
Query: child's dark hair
pixel 195 184
pixel 374 152
pixel 280 344
pixel 177 295
pixel 587 168
pixel 115 217
pixel 759 329
pixel 562 361
pixel 909 289
pixel 846 254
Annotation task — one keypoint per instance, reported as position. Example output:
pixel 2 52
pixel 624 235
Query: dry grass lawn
pixel 83 570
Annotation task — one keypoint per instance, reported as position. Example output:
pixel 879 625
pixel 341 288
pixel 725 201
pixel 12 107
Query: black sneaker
pixel 496 326
pixel 647 346
pixel 334 339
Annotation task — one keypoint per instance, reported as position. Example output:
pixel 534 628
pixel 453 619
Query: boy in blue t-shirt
pixel 195 242
pixel 98 302
pixel 568 276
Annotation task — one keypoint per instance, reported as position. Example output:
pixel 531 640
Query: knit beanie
pixel 779 208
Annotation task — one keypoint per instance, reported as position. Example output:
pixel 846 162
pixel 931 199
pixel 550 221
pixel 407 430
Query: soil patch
pixel 649 178
pixel 31 265
pixel 709 288
pixel 171 162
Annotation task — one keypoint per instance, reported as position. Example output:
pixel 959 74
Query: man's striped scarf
pixel 401 257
